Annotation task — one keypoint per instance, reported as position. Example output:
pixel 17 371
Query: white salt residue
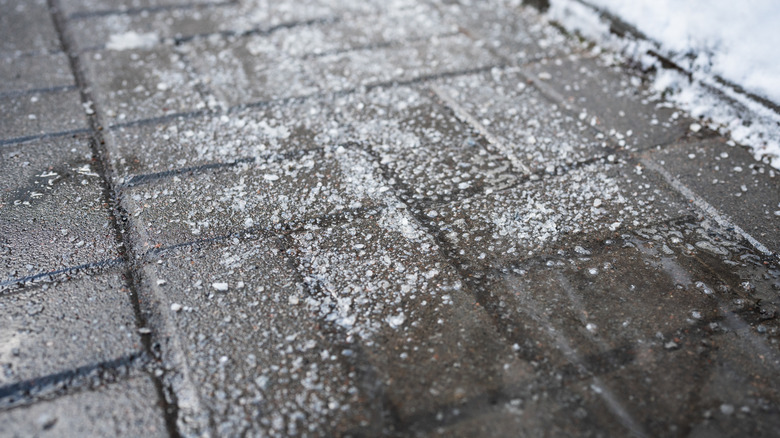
pixel 366 280
pixel 544 218
pixel 396 321
pixel 132 40
pixel 360 176
pixel 401 221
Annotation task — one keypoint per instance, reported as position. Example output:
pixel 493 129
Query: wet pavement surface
pixel 256 218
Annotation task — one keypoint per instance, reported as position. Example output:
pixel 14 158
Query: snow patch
pixel 712 40
pixel 132 40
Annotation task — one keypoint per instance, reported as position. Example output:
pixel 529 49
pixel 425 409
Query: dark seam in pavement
pixel 167 399
pixel 149 9
pixel 25 139
pixel 378 45
pixel 153 120
pixel 138 180
pixel 301 99
pixel 99 264
pixel 256 31
pixel 11 56
pixel 450 255
pixel 45 90
pixel 53 385
pixel 225 34
pixel 281 229
pixel 272 157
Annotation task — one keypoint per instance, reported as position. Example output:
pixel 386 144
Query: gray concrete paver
pixel 739 186
pixel 591 202
pixel 55 328
pixel 531 128
pixel 25 73
pixel 423 144
pixel 255 133
pixel 515 32
pixel 125 409
pixel 248 70
pixel 359 30
pixel 27 28
pixel 36 114
pixel 368 67
pixel 266 194
pixel 52 212
pixel 137 84
pixel 260 363
pixel 158 26
pixel 612 99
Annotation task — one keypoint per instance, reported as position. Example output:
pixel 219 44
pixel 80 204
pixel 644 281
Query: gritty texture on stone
pixel 368 218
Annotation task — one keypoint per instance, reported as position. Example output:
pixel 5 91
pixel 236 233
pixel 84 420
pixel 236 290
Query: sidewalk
pixel 368 218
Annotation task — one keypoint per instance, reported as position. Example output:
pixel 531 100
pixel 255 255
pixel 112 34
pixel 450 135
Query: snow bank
pixel 712 39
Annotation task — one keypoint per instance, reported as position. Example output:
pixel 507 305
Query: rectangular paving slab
pixel 515 31
pixel 611 98
pixel 143 151
pixel 249 355
pixel 361 30
pixel 248 70
pixel 53 213
pixel 123 409
pixel 383 281
pixel 137 84
pixel 527 126
pixel 56 331
pixel 27 28
pixel 593 201
pixel 43 72
pixel 406 62
pixel 262 195
pixel 423 146
pixel 37 114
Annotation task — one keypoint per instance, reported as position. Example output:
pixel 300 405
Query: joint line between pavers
pixel 276 230
pixel 704 206
pixel 379 45
pixel 45 90
pixel 100 264
pixel 137 180
pixel 28 138
pixel 70 381
pixel 97 144
pixel 464 115
pixel 153 120
pixel 239 34
pixel 150 9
